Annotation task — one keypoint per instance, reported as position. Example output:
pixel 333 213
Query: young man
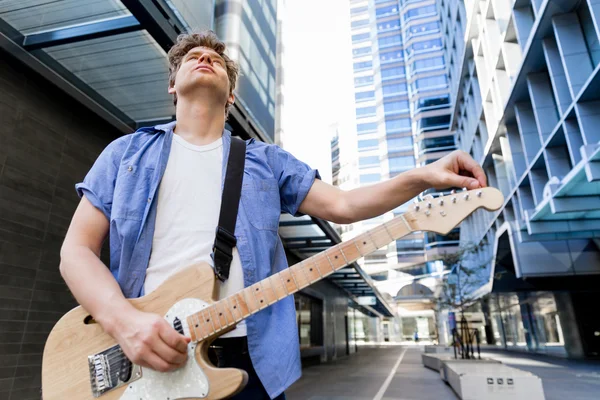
pixel 158 193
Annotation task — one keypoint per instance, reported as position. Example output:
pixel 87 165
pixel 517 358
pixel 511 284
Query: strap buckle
pixel 223 252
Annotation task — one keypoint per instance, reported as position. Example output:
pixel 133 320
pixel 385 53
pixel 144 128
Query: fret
pixel 303 268
pixel 243 306
pixel 208 320
pixel 301 280
pixel 220 315
pixel 204 329
pixel 405 223
pixel 350 251
pixel 374 242
pixel 357 248
pixel 214 316
pixel 287 276
pixel 227 309
pixel 235 319
pixel 283 285
pixel 318 269
pixel 330 263
pixel 388 232
pixel 256 290
pixel 277 289
pixel 312 274
pixel 253 304
pixel 274 298
pixel 367 244
pixel 343 255
pixel 336 257
pixel 193 327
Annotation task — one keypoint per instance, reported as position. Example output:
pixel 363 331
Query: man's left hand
pixel 457 169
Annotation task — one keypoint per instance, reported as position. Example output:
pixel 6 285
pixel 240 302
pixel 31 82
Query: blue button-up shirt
pixel 123 184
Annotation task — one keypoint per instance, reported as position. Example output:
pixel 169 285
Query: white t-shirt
pixel 189 202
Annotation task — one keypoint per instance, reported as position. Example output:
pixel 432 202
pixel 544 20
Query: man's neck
pixel 198 123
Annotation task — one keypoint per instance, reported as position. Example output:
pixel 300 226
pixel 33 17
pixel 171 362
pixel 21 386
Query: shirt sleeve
pixel 295 179
pixel 99 184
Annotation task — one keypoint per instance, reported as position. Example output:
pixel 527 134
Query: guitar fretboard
pixel 228 311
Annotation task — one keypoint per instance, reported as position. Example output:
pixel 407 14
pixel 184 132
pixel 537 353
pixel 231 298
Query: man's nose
pixel 205 58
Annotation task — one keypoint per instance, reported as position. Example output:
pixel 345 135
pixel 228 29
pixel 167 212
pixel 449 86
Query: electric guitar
pixel 82 362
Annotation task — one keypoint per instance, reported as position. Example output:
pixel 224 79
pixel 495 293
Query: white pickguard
pixel 186 382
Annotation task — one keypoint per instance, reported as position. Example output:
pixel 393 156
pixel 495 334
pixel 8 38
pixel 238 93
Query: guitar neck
pixel 225 313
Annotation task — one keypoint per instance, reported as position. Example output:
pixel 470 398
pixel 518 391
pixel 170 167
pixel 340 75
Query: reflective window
pixel 393 72
pixel 397 124
pixel 434 122
pixel 363 65
pixel 401 163
pixel 309 318
pixel 366 128
pixel 386 11
pixel 428 63
pixel 364 111
pixel 398 144
pixel 358 10
pixel 360 37
pixel 363 80
pixel 359 23
pixel 396 106
pixel 418 12
pixel 370 178
pixel 389 41
pixel 434 101
pixel 370 161
pixel 389 25
pixel 394 89
pixel 361 51
pixel 431 82
pixel 433 44
pixel 362 96
pixel 368 144
pixel 426 28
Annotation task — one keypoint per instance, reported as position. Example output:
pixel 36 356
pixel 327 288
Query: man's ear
pixel 231 99
pixel 171 89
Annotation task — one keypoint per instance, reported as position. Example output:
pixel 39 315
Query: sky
pixel 318 78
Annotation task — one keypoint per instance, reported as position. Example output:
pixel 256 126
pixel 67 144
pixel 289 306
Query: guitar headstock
pixel 441 214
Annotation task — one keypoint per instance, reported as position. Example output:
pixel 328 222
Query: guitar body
pixel 67 372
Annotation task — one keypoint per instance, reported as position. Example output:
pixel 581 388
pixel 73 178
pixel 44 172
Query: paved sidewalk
pixel 362 376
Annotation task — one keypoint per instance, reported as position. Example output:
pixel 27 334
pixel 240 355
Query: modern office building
pixel 402 99
pixel 77 74
pixel 526 104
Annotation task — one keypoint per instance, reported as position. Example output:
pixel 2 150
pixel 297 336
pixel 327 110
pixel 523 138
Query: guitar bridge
pixel 111 369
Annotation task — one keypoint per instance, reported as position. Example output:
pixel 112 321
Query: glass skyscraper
pixel 402 106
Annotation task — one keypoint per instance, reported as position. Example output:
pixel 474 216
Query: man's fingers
pixel 467 163
pixel 157 363
pixel 173 339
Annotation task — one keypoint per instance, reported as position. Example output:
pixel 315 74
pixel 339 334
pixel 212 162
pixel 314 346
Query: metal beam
pixel 592 171
pixel 574 204
pixel 87 31
pixel 65 80
pixel 563 226
pixel 296 222
pixel 163 27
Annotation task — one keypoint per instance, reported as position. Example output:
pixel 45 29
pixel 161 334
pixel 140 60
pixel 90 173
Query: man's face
pixel 202 71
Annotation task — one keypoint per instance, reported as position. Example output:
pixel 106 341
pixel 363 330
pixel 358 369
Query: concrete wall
pixel 47 144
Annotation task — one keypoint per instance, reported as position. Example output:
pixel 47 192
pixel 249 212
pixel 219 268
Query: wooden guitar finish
pixel 82 362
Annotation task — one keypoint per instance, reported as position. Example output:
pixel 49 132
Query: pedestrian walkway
pixel 396 372
pixel 374 373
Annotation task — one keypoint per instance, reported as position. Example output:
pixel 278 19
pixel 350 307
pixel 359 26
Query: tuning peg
pixel 453 191
pixel 464 189
pixel 428 204
pixel 454 199
pixel 427 213
pixel 417 207
pixel 466 196
pixel 479 193
pixel 441 202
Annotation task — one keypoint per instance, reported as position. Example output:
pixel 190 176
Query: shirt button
pixel 149 199
pixel 130 168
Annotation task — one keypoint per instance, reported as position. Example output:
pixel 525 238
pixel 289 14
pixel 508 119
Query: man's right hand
pixel 148 340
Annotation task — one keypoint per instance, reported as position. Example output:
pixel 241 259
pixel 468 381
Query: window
pixel 385 11
pixel 429 63
pixel 418 12
pixel 394 89
pixel 359 23
pixel 363 96
pixel 443 141
pixel 397 124
pixel 431 123
pixel 360 37
pixel 309 317
pixel 421 29
pixel 368 144
pixel 366 128
pixel 399 144
pixel 390 56
pixel 362 112
pixel 431 82
pixel 363 65
pixel 361 51
pixel 358 10
pixel 433 101
pixel 389 41
pixel 363 80
pixel 401 163
pixel 425 45
pixel 367 162
pixel 395 106
pixel 393 72
pixel 370 178
pixel 389 25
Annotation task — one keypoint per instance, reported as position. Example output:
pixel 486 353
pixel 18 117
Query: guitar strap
pixel 225 239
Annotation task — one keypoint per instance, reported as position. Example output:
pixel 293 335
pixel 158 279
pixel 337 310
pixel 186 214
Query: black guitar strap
pixel 225 239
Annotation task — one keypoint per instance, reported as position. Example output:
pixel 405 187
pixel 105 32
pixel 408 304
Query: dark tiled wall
pixel 47 143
